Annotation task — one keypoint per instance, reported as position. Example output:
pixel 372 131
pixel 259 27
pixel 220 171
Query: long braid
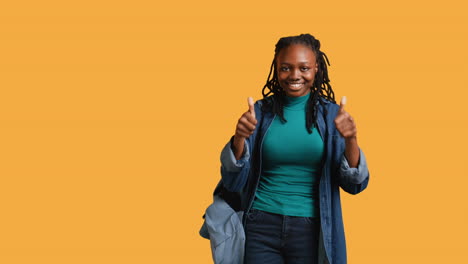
pixel 320 88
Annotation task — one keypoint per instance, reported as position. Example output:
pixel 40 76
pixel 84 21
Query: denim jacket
pixel 242 176
pixel 223 227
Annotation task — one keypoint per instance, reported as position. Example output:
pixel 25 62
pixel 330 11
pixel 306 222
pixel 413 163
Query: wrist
pixel 351 140
pixel 236 140
pixel 351 143
pixel 237 144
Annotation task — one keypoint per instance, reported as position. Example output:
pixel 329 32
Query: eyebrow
pixel 303 62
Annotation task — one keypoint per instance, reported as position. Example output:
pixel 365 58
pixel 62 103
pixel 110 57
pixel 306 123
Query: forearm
pixel 234 172
pixel 352 152
pixel 238 147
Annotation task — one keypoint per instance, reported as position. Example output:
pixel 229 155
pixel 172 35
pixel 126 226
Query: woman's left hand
pixel 344 122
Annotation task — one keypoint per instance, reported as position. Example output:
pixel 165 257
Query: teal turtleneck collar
pixel 296 103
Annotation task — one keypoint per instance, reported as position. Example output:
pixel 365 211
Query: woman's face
pixel 296 67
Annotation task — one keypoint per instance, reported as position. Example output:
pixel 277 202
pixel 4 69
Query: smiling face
pixel 296 68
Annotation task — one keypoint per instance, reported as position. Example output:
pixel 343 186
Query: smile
pixel 295 85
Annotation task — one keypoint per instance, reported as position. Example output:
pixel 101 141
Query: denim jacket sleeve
pixel 234 173
pixel 353 180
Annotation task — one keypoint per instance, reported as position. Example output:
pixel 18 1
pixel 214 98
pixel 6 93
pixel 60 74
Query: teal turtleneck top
pixel 291 160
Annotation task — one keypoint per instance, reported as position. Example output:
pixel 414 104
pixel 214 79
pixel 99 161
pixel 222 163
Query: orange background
pixel 113 115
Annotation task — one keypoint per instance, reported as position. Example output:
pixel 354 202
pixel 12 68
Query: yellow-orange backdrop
pixel 113 115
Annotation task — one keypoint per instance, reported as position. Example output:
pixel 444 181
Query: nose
pixel 295 74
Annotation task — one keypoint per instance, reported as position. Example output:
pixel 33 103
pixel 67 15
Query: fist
pixel 344 122
pixel 247 122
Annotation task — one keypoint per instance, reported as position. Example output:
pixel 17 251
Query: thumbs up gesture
pixel 244 128
pixel 344 122
pixel 247 122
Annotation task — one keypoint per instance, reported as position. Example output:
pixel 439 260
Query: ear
pixel 316 67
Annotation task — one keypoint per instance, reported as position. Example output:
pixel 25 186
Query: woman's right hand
pixel 244 128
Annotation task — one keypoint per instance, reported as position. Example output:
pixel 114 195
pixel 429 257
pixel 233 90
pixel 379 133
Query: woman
pixel 291 152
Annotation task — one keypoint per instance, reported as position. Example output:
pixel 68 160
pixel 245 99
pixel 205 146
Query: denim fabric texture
pixel 277 239
pixel 224 229
pixel 242 177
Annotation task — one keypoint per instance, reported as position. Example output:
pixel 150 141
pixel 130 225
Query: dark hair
pixel 320 88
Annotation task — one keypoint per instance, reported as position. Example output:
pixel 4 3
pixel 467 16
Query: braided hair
pixel 320 88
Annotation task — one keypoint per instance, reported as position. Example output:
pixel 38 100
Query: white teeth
pixel 296 85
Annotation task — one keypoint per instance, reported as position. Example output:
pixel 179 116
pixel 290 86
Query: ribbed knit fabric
pixel 291 159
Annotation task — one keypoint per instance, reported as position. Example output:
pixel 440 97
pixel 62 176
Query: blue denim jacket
pixel 223 227
pixel 242 176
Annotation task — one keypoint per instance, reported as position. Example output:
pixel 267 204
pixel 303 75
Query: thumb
pixel 250 101
pixel 342 103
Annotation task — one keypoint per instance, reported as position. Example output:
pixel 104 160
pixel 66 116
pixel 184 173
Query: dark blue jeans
pixel 274 239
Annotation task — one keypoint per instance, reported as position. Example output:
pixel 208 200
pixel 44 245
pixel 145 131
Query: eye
pixel 284 68
pixel 305 68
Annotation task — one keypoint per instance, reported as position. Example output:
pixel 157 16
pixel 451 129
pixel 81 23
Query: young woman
pixel 290 154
